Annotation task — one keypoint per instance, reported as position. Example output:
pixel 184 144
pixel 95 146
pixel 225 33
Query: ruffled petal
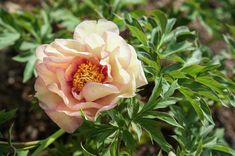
pixel 40 52
pixel 141 79
pixel 70 47
pixel 104 26
pixel 129 89
pixel 46 75
pixel 93 91
pixel 87 27
pixel 120 75
pixel 112 41
pixel 48 100
pixel 68 123
pixel 84 28
pixel 94 43
pixel 136 68
pixel 107 102
pixel 123 54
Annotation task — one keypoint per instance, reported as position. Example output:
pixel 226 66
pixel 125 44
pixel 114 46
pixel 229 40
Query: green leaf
pixel 29 68
pixel 206 111
pixel 137 129
pixel 165 102
pixel 22 153
pixel 170 24
pixel 48 141
pixel 126 2
pixel 85 152
pixel 177 47
pixel 28 46
pixel 164 117
pixel 6 115
pixel 156 134
pixel 128 140
pixel 194 59
pixel 8 38
pixel 138 34
pixel 211 83
pixel 221 148
pixel 170 91
pixel 66 18
pixel 156 90
pixel 196 105
pixel 161 19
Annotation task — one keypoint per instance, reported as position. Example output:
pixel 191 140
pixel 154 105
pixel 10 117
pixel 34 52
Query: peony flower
pixel 90 73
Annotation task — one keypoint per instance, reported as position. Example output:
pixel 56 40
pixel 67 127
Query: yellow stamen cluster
pixel 87 72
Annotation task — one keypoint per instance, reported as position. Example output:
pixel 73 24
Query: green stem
pixel 46 142
pixel 21 144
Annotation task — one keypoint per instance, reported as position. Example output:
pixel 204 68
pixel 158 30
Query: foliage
pixel 184 81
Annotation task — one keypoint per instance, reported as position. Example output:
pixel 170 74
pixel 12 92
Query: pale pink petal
pixel 105 62
pixel 93 91
pixel 40 52
pixel 46 75
pixel 77 96
pixel 56 90
pixel 68 123
pixel 107 102
pixel 71 48
pixel 49 100
pixel 52 51
pixel 70 71
pixel 65 87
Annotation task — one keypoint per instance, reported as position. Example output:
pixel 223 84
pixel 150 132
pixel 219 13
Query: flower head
pixel 89 73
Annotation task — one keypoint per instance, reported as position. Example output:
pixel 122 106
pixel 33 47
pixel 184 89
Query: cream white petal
pixel 40 52
pixel 89 26
pixel 94 43
pixel 112 41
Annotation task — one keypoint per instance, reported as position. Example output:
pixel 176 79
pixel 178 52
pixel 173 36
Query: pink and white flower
pixel 90 73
